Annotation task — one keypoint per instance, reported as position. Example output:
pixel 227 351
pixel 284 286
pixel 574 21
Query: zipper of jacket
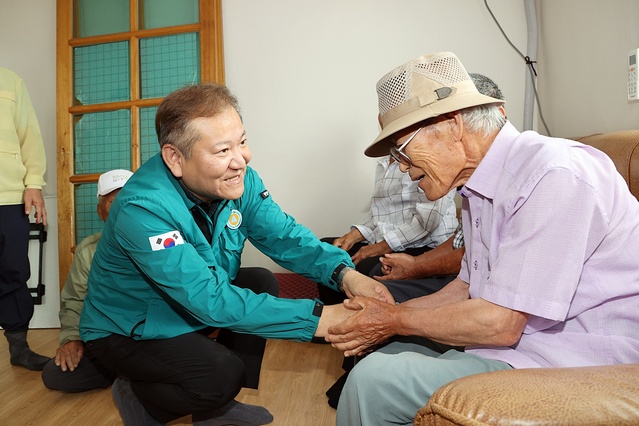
pixel 219 209
pixel 213 220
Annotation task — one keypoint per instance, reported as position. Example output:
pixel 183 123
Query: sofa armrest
pixel 623 148
pixel 541 396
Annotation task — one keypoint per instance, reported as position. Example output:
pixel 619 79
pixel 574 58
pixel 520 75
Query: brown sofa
pixel 549 396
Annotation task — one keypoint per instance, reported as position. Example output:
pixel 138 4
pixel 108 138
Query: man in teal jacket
pixel 167 269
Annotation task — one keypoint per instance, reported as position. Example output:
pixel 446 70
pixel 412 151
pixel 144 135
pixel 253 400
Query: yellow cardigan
pixel 22 158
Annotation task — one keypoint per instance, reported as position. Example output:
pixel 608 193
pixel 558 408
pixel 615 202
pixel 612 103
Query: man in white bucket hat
pixel 547 279
pixel 72 370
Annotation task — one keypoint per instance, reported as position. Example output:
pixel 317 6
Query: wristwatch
pixel 317 309
pixel 338 274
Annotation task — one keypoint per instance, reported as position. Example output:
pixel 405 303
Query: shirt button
pixel 475 265
pixel 476 223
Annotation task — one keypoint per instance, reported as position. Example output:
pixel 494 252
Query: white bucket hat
pixel 426 87
pixel 112 180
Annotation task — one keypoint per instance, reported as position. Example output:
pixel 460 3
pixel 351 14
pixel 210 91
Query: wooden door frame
pixel 212 69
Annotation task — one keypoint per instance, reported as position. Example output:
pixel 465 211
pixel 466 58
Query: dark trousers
pixel 404 290
pixel 16 303
pixel 250 348
pixel 89 374
pixel 192 373
pixel 369 266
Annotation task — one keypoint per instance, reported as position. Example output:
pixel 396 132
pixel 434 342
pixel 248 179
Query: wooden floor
pixel 292 385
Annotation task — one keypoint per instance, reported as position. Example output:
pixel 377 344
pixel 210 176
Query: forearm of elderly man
pixel 462 323
pixel 455 291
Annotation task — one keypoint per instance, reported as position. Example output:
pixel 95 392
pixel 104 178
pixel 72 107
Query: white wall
pixel 46 314
pixel 305 74
pixel 583 68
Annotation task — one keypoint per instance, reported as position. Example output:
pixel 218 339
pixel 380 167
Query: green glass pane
pixel 167 13
pixel 103 142
pixel 97 17
pixel 87 221
pixel 101 73
pixel 149 145
pixel 168 63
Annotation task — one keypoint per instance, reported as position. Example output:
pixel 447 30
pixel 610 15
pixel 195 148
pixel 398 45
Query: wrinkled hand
pixel 343 243
pixel 33 198
pixel 397 266
pixel 68 356
pixel 371 326
pixel 348 240
pixel 371 250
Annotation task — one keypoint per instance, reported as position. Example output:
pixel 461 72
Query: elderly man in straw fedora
pixel 547 279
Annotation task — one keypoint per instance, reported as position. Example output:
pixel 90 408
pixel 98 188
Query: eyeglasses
pixel 399 155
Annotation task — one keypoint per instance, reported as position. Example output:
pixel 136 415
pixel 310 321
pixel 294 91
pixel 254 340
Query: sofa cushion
pixel 538 396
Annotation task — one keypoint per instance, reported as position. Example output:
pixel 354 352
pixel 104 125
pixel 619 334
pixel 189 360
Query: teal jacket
pixel 154 274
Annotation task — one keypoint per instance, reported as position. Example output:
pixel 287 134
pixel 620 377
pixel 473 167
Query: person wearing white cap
pixel 549 277
pixel 72 369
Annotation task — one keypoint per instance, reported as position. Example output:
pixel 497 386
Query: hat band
pixel 414 104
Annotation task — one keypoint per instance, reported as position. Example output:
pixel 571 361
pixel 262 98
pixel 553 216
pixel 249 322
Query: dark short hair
pixel 486 86
pixel 179 108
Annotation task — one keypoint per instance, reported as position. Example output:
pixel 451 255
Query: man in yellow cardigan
pixel 22 167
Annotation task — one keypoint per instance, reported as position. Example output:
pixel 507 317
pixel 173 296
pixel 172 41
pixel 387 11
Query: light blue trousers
pixel 388 386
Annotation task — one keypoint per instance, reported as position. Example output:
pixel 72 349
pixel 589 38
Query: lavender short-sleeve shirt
pixel 552 230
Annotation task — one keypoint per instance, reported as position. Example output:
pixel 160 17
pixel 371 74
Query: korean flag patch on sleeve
pixel 166 240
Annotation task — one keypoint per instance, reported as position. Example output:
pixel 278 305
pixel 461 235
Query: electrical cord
pixel 529 63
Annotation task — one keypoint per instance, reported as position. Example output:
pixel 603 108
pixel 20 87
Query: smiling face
pixel 438 157
pixel 217 162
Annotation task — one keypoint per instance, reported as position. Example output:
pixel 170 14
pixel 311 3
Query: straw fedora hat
pixel 426 87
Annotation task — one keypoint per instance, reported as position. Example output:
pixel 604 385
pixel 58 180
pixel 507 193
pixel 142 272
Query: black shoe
pixel 334 392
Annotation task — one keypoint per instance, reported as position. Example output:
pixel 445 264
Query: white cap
pixel 112 180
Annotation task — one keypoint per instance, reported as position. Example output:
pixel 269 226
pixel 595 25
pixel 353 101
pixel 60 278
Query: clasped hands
pixel 371 325
pixel 371 316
